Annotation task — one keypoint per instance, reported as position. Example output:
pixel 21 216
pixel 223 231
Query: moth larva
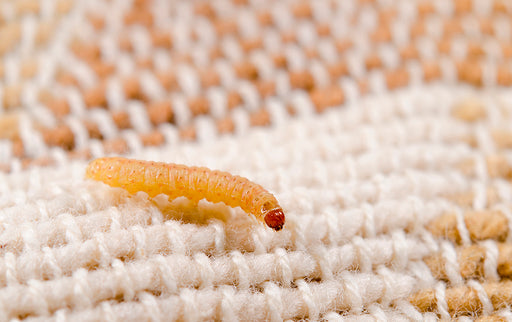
pixel 195 183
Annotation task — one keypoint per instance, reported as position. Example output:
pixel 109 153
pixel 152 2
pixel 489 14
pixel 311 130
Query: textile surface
pixel 382 127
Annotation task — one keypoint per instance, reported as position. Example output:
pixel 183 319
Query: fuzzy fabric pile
pixel 382 127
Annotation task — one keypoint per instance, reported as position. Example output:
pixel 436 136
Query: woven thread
pixel 382 128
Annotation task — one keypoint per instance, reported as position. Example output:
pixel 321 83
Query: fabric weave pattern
pixel 382 127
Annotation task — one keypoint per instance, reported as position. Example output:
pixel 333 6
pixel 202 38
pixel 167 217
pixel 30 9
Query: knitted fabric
pixel 382 127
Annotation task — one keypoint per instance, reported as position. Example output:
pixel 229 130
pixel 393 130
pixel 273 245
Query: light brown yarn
pixel 199 106
pixel 502 138
pixel 9 126
pixel 469 110
pixel 260 118
pixel 12 96
pixel 471 262
pixel 464 300
pixel 95 97
pixel 188 133
pixel 160 112
pixel 121 119
pixel 327 97
pixel 247 71
pixel 397 78
pixel 481 225
pixel 470 71
pixel 302 80
pixel 337 69
pixel 431 71
pixel 60 107
pixel 225 125
pixel 154 138
pixel 504 76
pixel 465 199
pixel 118 146
pixel 61 136
pixel 266 88
pixel 497 166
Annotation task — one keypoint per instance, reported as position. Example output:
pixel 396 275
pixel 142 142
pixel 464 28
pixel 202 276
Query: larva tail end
pixel 94 168
pixel 275 219
pixel 91 170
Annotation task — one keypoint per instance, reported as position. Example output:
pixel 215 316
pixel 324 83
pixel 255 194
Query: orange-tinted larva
pixel 195 183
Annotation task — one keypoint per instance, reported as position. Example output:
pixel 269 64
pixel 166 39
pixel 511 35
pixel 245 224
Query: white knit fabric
pixel 358 188
pixel 360 183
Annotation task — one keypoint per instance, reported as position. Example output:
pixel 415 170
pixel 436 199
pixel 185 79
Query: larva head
pixel 273 216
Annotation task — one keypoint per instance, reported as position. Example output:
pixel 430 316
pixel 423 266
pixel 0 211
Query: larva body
pixel 195 183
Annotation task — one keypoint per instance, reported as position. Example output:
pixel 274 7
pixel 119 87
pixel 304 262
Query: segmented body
pixel 195 183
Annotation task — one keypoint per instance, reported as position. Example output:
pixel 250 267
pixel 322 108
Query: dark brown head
pixel 275 218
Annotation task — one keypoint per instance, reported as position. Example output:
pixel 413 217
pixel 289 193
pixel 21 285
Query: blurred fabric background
pixel 382 127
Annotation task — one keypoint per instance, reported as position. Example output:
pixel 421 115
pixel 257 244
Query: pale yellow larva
pixel 195 183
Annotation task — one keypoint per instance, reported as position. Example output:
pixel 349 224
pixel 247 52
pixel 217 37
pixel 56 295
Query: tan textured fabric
pixel 382 127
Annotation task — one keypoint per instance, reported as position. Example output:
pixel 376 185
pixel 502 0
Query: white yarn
pixel 442 305
pixel 487 306
pixel 451 266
